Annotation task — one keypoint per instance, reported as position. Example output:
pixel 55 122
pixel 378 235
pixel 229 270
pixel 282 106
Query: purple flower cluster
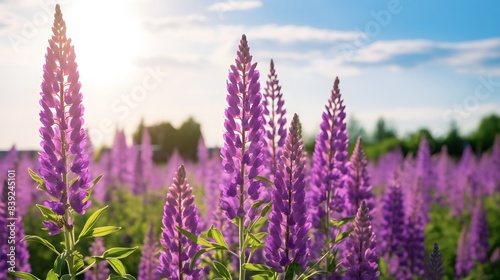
pixel 434 269
pixel 148 267
pixel 179 211
pixel 63 138
pixel 359 187
pixel 288 221
pixel 242 153
pixel 361 257
pixel 274 115
pixel 329 160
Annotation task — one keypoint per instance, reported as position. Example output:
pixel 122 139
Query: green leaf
pixel 38 239
pixel 341 222
pixel 24 275
pixel 222 270
pixel 66 277
pixel 59 263
pixel 217 235
pixel 48 213
pixel 117 266
pixel 101 231
pixel 78 260
pixel 51 275
pixel 198 254
pixel 342 235
pixel 255 240
pixel 196 239
pixel 257 267
pixel 292 270
pixel 266 209
pixel 118 252
pixel 264 179
pixel 89 191
pixel 123 277
pixel 38 180
pixel 89 224
pixel 257 204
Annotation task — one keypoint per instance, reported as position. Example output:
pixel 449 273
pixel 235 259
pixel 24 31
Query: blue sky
pixel 415 63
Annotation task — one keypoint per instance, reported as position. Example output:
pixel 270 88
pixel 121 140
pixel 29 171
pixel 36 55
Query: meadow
pixel 260 207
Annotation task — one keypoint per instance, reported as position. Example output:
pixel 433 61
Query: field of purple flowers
pixel 258 208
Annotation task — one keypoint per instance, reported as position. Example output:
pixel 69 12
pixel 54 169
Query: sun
pixel 107 37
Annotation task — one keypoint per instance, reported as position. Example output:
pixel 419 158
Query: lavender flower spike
pixel 434 269
pixel 478 234
pixel 274 115
pixel 179 211
pixel 148 268
pixel 242 153
pixel 359 183
pixel 330 160
pixel 361 258
pixel 63 137
pixel 288 221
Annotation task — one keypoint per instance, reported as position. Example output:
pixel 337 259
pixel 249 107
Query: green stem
pixel 242 248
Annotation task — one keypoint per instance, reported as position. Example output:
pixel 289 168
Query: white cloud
pixel 234 5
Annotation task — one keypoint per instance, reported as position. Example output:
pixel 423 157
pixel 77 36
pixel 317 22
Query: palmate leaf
pixel 117 266
pixel 222 270
pixel 216 234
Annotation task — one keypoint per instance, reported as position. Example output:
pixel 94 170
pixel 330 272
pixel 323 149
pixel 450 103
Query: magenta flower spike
pixel 287 241
pixel 179 211
pixel 62 158
pixel 242 153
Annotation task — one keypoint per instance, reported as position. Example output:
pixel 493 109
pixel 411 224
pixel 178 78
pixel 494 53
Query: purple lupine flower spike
pixel 101 270
pixel 478 235
pixel 242 153
pixel 329 170
pixel 392 232
pixel 179 211
pixel 415 248
pixel 274 115
pixel 62 133
pixel 361 256
pixel 359 187
pixel 148 267
pixel 288 221
pixel 434 269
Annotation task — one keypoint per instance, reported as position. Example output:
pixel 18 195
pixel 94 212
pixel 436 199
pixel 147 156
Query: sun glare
pixel 107 36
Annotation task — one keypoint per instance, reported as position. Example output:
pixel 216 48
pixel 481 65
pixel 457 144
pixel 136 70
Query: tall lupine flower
pixel 329 170
pixel 288 221
pixel 464 262
pixel 423 178
pixel 392 230
pixel 63 138
pixel 148 267
pixel 274 115
pixel 359 187
pixel 464 170
pixel 361 256
pixel 120 162
pixel 242 155
pixel 101 270
pixel 434 269
pixel 478 234
pixel 443 174
pixel 414 243
pixel 179 211
pixel 143 164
